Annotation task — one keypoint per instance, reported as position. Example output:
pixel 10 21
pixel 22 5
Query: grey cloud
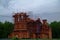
pixel 49 9
pixel 4 3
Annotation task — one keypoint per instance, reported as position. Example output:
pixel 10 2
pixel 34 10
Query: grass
pixel 31 39
pixel 39 39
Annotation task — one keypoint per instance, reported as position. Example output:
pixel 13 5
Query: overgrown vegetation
pixel 15 38
pixel 5 29
pixel 55 29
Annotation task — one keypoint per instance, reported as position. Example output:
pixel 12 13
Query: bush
pixel 15 38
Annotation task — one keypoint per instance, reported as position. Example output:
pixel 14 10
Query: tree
pixel 55 29
pixel 1 29
pixel 5 29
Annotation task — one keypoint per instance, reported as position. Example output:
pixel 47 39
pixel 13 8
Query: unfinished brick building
pixel 25 27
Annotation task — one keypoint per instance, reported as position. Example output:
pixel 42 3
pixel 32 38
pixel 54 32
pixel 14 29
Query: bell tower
pixel 20 20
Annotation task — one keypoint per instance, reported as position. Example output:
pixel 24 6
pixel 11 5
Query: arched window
pixel 21 17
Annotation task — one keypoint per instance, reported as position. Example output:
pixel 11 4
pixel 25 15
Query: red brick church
pixel 25 27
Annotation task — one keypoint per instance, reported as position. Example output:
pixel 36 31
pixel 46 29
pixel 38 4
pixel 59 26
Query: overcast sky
pixel 45 9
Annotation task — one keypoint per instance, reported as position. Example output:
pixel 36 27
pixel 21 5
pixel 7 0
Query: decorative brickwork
pixel 25 27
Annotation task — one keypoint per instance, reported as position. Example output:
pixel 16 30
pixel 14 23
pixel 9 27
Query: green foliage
pixel 15 38
pixel 55 29
pixel 5 29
